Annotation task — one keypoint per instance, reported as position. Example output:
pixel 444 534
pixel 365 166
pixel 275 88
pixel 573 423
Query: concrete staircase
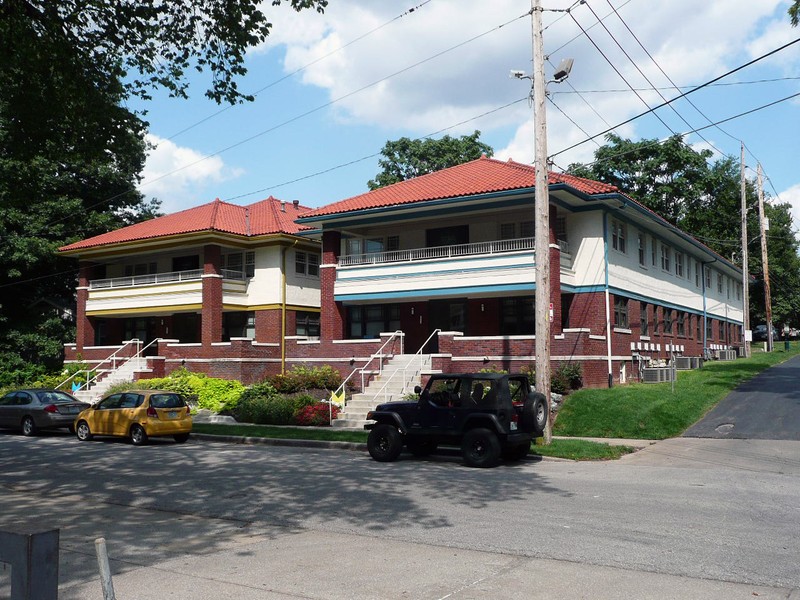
pixel 399 376
pixel 111 377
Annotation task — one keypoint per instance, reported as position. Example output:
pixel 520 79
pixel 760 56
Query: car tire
pixel 29 426
pixel 421 447
pixel 535 414
pixel 180 438
pixel 138 435
pixel 515 453
pixel 384 443
pixel 480 448
pixel 83 432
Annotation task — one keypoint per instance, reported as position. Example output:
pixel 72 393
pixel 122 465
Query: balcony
pixel 159 292
pixel 159 278
pixel 443 271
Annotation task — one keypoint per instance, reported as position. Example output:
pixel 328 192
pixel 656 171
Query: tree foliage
pixel 406 158
pixel 794 13
pixel 71 152
pixel 703 198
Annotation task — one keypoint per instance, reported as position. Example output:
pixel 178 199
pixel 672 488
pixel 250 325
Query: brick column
pixel 212 295
pixel 332 313
pixel 85 327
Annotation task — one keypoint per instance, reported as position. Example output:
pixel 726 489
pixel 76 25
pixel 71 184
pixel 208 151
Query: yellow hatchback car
pixel 138 414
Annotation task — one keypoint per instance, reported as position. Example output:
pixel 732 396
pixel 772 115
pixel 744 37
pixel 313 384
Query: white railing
pixel 404 370
pixel 339 392
pixel 110 360
pixel 117 282
pixel 438 252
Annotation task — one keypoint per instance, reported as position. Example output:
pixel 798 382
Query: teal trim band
pixel 420 294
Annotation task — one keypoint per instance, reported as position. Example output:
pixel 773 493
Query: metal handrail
pixel 111 358
pixel 379 354
pixel 140 350
pixel 404 370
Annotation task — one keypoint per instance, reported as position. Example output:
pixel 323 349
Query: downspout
pixel 284 251
pixel 608 300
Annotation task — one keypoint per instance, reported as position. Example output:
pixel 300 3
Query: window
pixel 682 324
pixel 618 236
pixel 526 229
pixel 642 248
pixel 141 269
pixel 720 278
pixel 728 287
pixel 517 316
pixel 307 324
pixel 644 322
pixel 508 231
pixel 653 251
pixel 696 273
pixel 243 264
pixel 512 231
pixel 655 320
pixel 665 257
pixel 668 321
pixel 306 263
pixel 708 278
pixel 698 327
pixel 738 291
pixel 709 328
pixel 679 264
pixel 620 312
pixel 367 322
pixel 238 324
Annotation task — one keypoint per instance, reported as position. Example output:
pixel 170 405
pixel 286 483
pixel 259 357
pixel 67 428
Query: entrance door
pixel 447 315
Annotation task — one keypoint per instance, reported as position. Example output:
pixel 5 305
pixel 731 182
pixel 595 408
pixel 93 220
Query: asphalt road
pixel 765 408
pixel 681 519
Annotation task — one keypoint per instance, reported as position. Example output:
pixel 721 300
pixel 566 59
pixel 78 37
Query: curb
pixel 253 441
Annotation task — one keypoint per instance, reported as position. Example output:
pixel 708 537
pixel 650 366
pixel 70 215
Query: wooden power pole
pixel 542 216
pixel 764 228
pixel 745 273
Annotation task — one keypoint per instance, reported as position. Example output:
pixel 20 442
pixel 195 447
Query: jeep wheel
pixel 515 453
pixel 535 414
pixel 421 447
pixel 480 448
pixel 384 443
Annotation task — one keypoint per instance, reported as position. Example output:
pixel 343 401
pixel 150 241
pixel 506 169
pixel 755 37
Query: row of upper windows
pixel 672 261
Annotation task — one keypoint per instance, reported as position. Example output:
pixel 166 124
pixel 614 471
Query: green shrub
pixel 565 378
pixel 302 378
pixel 208 392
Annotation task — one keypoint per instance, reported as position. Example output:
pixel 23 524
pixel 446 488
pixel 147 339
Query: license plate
pixel 513 426
pixel 172 414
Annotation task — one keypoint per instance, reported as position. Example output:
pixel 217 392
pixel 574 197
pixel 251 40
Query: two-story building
pixel 218 288
pixel 454 251
pixel 442 264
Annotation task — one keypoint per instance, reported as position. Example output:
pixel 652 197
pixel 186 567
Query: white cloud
pixel 792 196
pixel 181 177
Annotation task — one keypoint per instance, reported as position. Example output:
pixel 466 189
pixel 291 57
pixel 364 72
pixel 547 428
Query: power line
pixel 304 67
pixel 691 91
pixel 675 87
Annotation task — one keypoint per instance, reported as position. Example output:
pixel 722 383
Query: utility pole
pixel 745 274
pixel 764 228
pixel 542 216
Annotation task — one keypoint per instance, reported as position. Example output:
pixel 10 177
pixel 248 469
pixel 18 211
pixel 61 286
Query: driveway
pixel 765 408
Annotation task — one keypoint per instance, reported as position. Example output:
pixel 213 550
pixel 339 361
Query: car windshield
pixel 55 397
pixel 166 401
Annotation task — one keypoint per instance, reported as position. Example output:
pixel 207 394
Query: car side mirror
pixel 417 389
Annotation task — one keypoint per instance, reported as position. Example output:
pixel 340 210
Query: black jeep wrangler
pixel 487 415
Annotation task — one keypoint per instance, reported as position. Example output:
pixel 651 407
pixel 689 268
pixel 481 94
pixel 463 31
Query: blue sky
pixel 333 88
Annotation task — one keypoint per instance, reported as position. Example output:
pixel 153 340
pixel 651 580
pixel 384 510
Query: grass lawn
pixel 654 411
pixel 581 450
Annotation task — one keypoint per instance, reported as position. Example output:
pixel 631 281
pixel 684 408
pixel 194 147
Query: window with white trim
pixel 620 312
pixel 720 278
pixel 665 258
pixel 642 248
pixel 618 235
pixel 306 263
pixel 679 264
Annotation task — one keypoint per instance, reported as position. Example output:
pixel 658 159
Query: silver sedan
pixel 35 409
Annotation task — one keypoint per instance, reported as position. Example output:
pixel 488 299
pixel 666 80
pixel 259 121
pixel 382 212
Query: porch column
pixel 84 327
pixel 555 276
pixel 212 295
pixel 332 314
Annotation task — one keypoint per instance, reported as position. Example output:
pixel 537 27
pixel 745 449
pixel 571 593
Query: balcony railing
pixel 438 252
pixel 156 278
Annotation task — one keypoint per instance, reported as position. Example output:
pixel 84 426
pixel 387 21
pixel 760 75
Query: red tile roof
pixel 270 216
pixel 481 176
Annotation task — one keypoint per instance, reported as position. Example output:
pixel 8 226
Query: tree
pixel 794 13
pixel 71 153
pixel 406 158
pixel 703 198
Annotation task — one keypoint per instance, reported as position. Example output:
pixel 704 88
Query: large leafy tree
pixel 406 158
pixel 703 198
pixel 794 12
pixel 71 152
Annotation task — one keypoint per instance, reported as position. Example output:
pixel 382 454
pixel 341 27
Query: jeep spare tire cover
pixel 534 413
